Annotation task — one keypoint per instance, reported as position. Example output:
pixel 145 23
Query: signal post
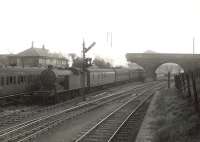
pixel 84 65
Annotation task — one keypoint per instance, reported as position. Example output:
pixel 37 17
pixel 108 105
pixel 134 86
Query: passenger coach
pixel 15 80
pixel 97 77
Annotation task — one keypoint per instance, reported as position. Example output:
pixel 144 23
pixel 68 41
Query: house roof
pixel 40 52
pixel 34 52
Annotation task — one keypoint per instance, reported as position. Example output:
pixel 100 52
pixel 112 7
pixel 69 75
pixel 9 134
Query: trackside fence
pixel 189 83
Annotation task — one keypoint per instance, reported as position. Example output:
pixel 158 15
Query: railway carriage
pixel 100 77
pixel 132 74
pixel 122 75
pixel 136 74
pixel 139 75
pixel 18 80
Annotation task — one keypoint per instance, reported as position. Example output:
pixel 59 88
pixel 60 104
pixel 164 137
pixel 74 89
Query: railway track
pixel 13 114
pixel 129 128
pixel 24 114
pixel 122 124
pixel 12 99
pixel 18 97
pixel 32 128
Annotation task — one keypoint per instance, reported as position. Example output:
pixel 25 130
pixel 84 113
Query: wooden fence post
pixel 188 84
pixel 176 81
pixel 195 92
pixel 168 75
pixel 179 82
pixel 183 79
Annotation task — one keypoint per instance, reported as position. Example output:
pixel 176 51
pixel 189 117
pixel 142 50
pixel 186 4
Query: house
pixel 37 57
pixel 4 61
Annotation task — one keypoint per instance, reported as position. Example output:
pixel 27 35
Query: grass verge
pixel 175 119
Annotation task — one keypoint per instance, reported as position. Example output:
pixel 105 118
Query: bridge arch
pixel 150 69
pixel 170 62
pixel 163 69
pixel 150 62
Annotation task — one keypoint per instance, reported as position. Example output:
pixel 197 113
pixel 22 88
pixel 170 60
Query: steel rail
pixel 131 114
pixel 74 107
pixel 48 124
pixel 107 117
pixel 25 124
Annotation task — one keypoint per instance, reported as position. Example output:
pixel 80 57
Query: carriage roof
pixel 100 70
pixel 27 70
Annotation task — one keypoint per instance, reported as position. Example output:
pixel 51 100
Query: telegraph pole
pixel 83 72
pixel 193 45
pixel 109 39
pixel 84 51
pixel 168 76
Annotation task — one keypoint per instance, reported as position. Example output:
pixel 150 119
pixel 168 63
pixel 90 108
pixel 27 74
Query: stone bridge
pixel 151 61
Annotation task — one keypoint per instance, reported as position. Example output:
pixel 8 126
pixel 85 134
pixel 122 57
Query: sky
pixel 164 26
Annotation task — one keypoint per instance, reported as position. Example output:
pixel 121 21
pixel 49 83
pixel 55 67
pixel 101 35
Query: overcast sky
pixel 166 26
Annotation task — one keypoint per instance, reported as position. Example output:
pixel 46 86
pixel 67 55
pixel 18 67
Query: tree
pixel 101 63
pixel 76 60
pixel 72 55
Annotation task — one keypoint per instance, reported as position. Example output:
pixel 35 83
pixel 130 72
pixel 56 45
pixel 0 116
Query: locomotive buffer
pixel 84 65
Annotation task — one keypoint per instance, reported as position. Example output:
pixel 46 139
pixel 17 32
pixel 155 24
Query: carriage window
pixel 30 78
pixel 18 79
pixel 21 79
pixel 24 78
pixel 2 81
pixel 14 79
pixel 7 80
pixel 11 80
